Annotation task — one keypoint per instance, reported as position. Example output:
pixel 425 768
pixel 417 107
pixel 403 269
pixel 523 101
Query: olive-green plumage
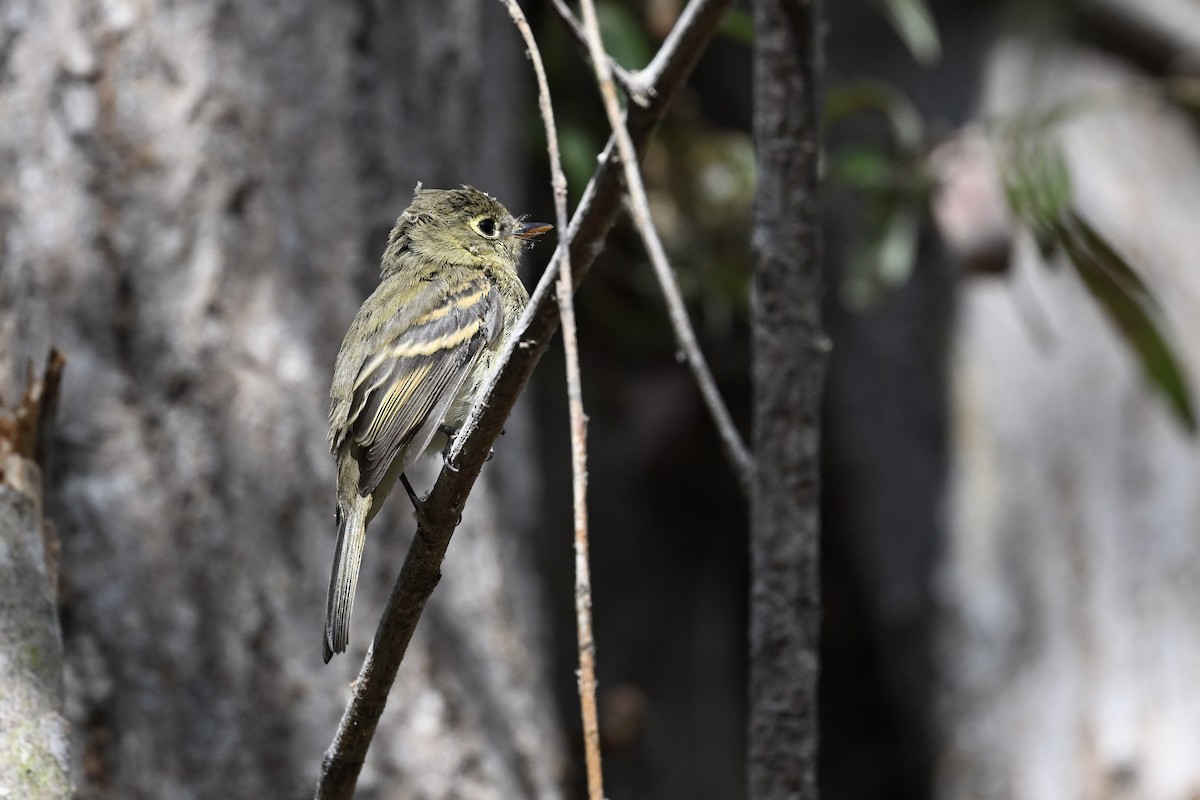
pixel 415 356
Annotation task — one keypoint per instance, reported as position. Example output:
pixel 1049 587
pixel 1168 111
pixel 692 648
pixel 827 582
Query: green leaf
pixel 915 26
pixel 864 168
pixel 1037 182
pixel 738 25
pixel 578 154
pixel 1127 301
pixel 623 36
pixel 893 182
pixel 855 97
pixel 887 258
pixel 1053 181
pixel 1124 274
pixel 897 245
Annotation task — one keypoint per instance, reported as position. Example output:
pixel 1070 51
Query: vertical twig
pixel 583 581
pixel 790 351
pixel 566 310
pixel 735 449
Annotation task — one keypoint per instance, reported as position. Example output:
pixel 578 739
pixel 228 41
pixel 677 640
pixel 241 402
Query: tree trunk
pixel 1070 589
pixel 193 199
pixel 789 356
pixel 35 745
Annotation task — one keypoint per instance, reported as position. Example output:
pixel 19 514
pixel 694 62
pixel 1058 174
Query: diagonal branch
pixel 577 249
pixel 736 450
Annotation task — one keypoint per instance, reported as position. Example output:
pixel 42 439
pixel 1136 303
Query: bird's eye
pixel 487 226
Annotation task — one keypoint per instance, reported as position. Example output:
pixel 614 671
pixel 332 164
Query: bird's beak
pixel 528 230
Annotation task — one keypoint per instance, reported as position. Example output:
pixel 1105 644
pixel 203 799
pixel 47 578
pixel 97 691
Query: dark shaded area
pixel 886 448
pixel 668 568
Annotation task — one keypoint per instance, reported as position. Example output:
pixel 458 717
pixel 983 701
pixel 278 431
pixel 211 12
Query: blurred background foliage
pixel 895 183
pixel 699 172
pixel 700 175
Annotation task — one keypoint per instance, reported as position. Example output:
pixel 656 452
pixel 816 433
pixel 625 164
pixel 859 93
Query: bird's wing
pixel 421 358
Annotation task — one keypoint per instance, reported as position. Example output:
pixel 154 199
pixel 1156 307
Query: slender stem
pixel 583 581
pixel 639 207
pixel 566 311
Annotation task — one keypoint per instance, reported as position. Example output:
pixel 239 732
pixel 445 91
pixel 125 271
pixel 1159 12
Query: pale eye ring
pixel 487 227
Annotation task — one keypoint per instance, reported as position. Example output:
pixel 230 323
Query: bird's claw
pixel 450 434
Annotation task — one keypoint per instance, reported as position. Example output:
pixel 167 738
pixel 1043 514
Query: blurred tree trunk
pixel 1071 591
pixel 193 199
pixel 35 745
pixel 789 358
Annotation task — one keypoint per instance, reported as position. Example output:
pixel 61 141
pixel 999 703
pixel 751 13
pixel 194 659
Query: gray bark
pixel 789 357
pixel 1070 586
pixel 193 199
pixel 35 739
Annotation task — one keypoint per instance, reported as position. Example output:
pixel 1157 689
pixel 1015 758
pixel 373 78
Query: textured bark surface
pixel 35 738
pixel 1071 587
pixel 34 748
pixel 789 358
pixel 193 199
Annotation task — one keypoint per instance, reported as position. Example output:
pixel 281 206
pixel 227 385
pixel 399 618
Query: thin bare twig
pixel 639 207
pixel 593 218
pixel 583 581
pixel 566 311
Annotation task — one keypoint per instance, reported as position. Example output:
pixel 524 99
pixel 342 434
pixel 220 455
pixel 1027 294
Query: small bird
pixel 418 351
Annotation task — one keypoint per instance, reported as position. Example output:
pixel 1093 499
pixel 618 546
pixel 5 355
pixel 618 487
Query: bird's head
pixel 463 226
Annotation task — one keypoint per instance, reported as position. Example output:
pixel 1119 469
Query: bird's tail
pixel 352 534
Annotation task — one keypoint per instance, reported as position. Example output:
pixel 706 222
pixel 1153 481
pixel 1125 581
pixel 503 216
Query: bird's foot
pixel 450 434
pixel 412 495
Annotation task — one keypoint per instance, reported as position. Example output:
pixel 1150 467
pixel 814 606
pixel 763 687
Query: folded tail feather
pixel 352 534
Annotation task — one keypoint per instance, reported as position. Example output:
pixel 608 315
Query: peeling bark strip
pixel 25 432
pixel 789 358
pixel 34 736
